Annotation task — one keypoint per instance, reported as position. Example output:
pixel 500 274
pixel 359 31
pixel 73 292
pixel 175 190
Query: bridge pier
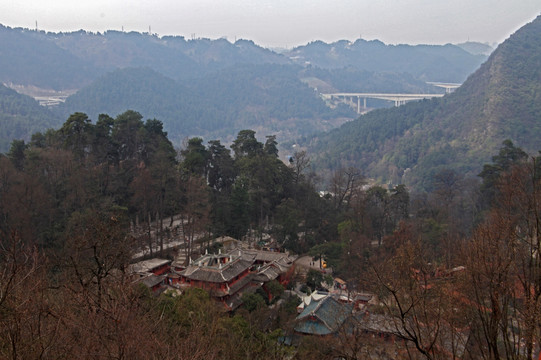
pixel 359 104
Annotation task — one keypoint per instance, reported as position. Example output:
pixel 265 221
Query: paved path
pixel 308 263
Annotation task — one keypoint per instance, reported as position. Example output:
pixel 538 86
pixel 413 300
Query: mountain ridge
pixel 84 56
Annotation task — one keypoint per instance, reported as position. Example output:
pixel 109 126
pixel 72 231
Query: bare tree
pixel 345 184
pixel 505 270
pixel 28 324
pixel 418 303
pixel 97 249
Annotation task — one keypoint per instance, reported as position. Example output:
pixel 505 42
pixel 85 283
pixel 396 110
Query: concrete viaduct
pixel 399 99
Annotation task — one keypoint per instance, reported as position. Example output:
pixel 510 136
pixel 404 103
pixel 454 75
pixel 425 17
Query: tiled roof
pixel 152 280
pixel 268 273
pixel 316 295
pixel 234 288
pixel 236 300
pixel 323 316
pixel 364 297
pixel 216 274
pixel 219 268
pixel 147 265
pixel 270 256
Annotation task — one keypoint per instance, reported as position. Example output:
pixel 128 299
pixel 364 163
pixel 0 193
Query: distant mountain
pixel 173 56
pixel 267 98
pixel 476 48
pixel 73 60
pixel 32 58
pixel 140 89
pixel 351 79
pixel 461 130
pixel 21 116
pixel 445 63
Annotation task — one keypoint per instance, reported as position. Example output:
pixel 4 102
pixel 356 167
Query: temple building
pixel 227 276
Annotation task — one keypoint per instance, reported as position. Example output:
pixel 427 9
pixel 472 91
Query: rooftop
pixel 218 267
pixel 152 280
pixel 146 266
pixel 322 316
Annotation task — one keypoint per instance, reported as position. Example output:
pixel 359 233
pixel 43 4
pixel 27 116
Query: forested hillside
pixel 431 264
pixel 173 56
pixel 21 116
pixel 73 60
pixel 350 79
pixel 267 98
pixel 410 143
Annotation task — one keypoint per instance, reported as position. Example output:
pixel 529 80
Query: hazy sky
pixel 284 23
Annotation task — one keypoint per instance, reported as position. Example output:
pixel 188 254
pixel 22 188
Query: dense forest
pixel 439 262
pixel 410 143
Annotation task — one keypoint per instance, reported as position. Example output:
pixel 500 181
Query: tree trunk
pixel 149 235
